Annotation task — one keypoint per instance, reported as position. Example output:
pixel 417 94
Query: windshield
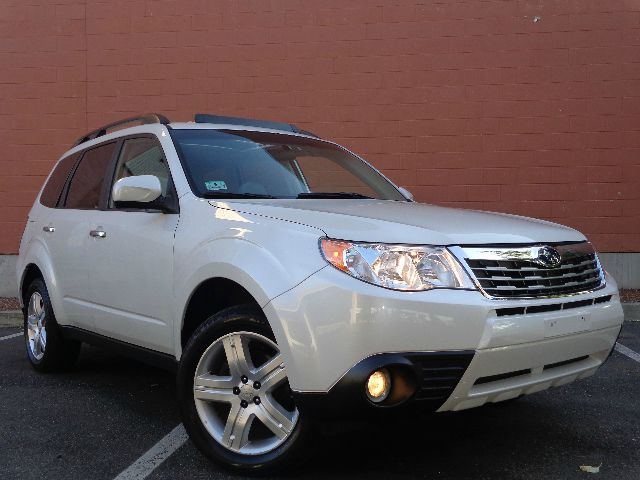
pixel 243 164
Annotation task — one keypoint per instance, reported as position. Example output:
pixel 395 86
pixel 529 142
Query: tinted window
pixel 55 184
pixel 86 184
pixel 143 156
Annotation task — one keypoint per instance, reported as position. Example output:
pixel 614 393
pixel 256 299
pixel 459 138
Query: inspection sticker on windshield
pixel 213 185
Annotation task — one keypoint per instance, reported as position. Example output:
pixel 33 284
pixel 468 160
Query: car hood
pixel 370 220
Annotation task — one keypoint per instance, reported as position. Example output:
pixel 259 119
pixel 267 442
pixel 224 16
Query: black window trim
pixel 62 200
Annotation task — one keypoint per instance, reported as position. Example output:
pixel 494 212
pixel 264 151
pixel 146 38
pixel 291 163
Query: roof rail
pixel 221 119
pixel 142 119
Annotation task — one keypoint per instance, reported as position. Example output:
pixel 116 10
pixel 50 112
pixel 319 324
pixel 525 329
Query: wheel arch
pixel 30 273
pixel 35 262
pixel 209 297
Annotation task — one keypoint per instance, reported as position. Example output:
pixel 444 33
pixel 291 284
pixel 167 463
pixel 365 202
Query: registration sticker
pixel 213 185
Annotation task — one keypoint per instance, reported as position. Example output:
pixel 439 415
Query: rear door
pixel 131 279
pixel 66 233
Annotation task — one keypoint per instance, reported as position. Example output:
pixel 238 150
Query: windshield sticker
pixel 213 185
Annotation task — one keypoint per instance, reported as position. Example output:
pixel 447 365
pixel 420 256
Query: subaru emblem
pixel 548 257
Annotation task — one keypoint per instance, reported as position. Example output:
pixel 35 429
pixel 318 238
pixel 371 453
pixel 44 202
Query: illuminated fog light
pixel 378 385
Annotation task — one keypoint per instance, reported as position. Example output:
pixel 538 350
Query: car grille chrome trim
pixel 516 272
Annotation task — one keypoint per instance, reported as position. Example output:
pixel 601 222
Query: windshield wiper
pixel 235 195
pixel 331 195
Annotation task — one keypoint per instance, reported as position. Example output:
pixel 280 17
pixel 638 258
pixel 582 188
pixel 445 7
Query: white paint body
pixel 134 285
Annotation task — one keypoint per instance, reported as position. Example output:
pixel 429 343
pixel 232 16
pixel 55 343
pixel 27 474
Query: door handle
pixel 49 229
pixel 98 233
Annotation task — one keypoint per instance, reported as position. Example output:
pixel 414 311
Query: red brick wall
pixel 530 107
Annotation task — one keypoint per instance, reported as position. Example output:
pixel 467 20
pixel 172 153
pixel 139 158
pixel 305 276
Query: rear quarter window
pixel 53 189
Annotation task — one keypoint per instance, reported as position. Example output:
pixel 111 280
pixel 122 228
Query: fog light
pixel 378 385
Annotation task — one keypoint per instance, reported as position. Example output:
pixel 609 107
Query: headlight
pixel 399 267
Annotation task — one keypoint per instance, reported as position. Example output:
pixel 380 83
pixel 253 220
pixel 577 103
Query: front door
pixel 131 281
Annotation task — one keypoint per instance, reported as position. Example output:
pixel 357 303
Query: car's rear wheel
pixel 234 394
pixel 47 350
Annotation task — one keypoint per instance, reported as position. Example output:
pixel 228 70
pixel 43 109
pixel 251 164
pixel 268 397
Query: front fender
pixel 263 272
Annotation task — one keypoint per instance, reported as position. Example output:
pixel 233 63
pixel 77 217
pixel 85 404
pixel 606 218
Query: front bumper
pixel 503 373
pixel 331 322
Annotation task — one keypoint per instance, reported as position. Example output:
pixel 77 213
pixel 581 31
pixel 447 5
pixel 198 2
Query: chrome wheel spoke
pixel 208 380
pixel 43 339
pixel 275 418
pixel 236 430
pixel 37 304
pixel 32 304
pixel 272 373
pixel 36 344
pixel 236 348
pixel 32 322
pixel 213 388
pixel 211 395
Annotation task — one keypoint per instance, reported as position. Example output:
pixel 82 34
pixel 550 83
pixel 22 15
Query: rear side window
pixel 86 184
pixel 53 188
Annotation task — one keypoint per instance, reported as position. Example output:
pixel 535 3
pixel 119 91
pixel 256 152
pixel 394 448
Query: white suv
pixel 287 280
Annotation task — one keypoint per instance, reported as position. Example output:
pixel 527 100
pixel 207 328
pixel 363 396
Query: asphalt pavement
pixel 99 419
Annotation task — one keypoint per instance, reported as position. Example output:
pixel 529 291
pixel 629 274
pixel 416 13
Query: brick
pixel 12 232
pixel 470 105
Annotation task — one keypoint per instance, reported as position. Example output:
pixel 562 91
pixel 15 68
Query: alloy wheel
pixel 36 326
pixel 242 394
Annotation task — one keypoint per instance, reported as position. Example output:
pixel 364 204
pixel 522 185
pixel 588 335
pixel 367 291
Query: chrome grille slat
pixel 571 275
pixel 503 272
pixel 538 269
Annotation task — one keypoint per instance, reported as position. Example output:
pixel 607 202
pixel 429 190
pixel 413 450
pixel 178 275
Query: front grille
pixel 516 272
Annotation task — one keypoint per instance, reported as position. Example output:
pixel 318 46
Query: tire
pixel 224 386
pixel 47 350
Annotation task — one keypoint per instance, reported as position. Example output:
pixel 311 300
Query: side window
pixel 86 184
pixel 143 156
pixel 52 190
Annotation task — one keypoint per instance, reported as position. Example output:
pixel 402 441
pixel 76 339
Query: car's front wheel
pixel 234 394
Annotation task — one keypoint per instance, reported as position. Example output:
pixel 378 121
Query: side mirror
pixel 137 189
pixel 406 193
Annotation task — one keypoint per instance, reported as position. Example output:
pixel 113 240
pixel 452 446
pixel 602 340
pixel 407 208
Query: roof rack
pixel 142 119
pixel 221 119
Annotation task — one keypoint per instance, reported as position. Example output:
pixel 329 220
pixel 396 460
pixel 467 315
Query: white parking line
pixel 8 337
pixel 157 454
pixel 628 352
